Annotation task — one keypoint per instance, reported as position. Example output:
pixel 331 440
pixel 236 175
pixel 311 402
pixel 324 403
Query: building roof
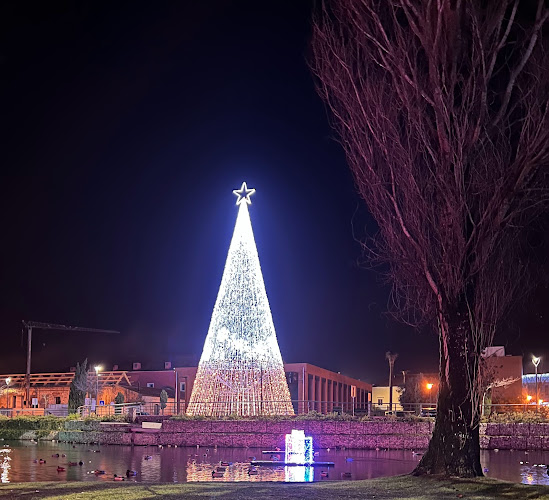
pixel 65 379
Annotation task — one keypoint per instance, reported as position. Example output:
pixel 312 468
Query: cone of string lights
pixel 241 370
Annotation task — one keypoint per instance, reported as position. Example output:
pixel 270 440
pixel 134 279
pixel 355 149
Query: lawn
pixel 400 487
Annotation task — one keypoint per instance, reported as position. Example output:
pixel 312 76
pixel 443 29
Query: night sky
pixel 125 128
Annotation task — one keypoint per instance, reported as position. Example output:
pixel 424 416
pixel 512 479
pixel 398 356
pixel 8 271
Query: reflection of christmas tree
pixel 241 371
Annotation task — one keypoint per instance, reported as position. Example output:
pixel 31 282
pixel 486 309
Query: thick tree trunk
pixel 454 449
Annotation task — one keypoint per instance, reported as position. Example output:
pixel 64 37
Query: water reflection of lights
pixel 5 460
pixel 151 466
pixel 534 474
pixel 238 471
pixel 298 474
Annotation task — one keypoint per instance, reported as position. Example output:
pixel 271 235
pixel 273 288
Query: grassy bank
pixel 400 487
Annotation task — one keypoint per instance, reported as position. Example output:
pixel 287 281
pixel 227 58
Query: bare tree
pixel 442 109
pixel 391 357
pixel 494 384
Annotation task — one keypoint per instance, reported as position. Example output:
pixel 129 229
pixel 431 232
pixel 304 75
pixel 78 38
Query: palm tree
pixel 391 357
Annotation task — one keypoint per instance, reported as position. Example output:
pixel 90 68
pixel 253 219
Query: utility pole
pixel 177 395
pixel 30 325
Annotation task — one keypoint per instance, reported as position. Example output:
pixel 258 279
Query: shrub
pixel 310 416
pixel 29 423
pixel 524 417
pixel 187 417
pixel 319 417
pixel 10 434
pixel 114 418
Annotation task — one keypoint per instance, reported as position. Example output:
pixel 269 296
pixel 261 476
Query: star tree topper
pixel 244 194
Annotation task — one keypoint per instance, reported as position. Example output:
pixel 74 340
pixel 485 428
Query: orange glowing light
pixel 429 386
pixel 528 398
pixel 540 401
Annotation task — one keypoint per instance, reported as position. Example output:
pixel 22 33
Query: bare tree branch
pixel 442 107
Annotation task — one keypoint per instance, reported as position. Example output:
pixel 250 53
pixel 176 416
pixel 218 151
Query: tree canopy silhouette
pixel 78 387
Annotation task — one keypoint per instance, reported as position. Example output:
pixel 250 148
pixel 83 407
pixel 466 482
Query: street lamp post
pixel 185 395
pixel 535 361
pixel 8 380
pixel 97 370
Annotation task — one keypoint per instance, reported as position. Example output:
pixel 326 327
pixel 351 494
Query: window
pixel 150 384
pixel 57 400
pixel 182 386
pixel 380 401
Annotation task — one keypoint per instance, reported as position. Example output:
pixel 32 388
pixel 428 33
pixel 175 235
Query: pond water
pixel 153 464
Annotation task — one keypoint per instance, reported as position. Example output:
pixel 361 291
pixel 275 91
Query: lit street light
pixel 97 370
pixel 535 361
pixel 8 380
pixel 429 387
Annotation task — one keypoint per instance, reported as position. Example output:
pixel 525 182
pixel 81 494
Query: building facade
pixel 311 388
pixel 315 389
pixel 380 397
pixel 50 391
pixel 503 376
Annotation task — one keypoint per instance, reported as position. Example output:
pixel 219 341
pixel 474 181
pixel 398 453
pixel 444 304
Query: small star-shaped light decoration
pixel 243 194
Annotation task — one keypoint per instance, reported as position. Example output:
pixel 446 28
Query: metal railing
pixel 113 409
pixel 403 409
pixel 21 412
pixel 224 408
pixel 425 409
pixel 219 408
pixel 267 407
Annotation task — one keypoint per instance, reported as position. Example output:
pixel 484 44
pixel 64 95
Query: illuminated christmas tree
pixel 241 370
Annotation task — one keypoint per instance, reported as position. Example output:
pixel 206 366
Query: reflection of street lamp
pixel 8 380
pixel 535 361
pixel 97 370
